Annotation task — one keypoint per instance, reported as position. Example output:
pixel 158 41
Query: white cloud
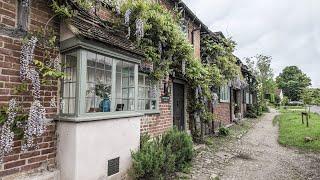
pixel 287 30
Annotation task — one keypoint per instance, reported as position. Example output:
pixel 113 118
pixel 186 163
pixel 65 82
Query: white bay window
pixel 97 82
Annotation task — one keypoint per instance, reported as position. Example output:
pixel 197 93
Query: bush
pixel 252 112
pixel 160 157
pixel 181 145
pixel 223 131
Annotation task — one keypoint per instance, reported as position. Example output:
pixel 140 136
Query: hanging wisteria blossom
pixel 25 3
pixel 33 75
pixel 53 102
pixel 127 17
pixel 153 91
pixel 139 29
pixel 7 135
pixel 62 105
pixel 160 47
pixel 56 63
pixel 35 125
pixel 26 58
pixel 215 99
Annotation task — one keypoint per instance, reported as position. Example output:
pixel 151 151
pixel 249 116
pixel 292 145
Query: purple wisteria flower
pixel 7 135
pixel 26 58
pixel 53 102
pixel 33 75
pixel 35 125
pixel 127 17
pixel 139 29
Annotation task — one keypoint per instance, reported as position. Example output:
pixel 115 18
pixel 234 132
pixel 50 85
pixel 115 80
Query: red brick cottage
pixel 82 142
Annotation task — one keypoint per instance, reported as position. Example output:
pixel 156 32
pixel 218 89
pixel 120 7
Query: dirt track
pixel 257 155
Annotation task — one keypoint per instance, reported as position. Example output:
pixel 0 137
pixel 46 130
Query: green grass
pixel 292 132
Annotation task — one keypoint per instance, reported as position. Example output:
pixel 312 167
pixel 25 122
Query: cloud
pixel 287 30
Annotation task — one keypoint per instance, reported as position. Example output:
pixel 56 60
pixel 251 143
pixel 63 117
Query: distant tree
pixel 293 81
pixel 260 65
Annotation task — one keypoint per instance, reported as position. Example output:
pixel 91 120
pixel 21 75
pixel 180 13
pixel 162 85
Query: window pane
pixel 153 104
pixel 108 63
pixel 119 66
pixel 141 92
pixel 100 62
pixel 141 80
pixel 118 86
pixel 69 84
pixel 98 96
pixel 147 104
pixel 141 105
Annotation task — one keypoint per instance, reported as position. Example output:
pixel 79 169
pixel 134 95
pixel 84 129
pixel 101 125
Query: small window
pixel 147 94
pixel 224 94
pixel 184 27
pixel 248 98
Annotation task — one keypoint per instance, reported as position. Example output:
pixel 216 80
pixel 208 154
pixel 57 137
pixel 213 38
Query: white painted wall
pixel 85 148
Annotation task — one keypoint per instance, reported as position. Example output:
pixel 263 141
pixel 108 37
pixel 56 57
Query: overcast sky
pixel 287 30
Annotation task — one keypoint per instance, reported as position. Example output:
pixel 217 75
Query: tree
pixel 260 65
pixel 293 81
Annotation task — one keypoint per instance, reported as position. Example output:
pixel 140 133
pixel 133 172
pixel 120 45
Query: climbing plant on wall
pixel 29 122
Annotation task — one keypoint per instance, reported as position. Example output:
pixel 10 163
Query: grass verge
pixel 293 133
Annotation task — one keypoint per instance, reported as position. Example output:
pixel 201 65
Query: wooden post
pixel 302 117
pixel 307 120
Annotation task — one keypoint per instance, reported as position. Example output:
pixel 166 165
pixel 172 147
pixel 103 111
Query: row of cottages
pixel 82 142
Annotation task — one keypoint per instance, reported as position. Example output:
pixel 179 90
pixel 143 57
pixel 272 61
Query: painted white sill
pixel 224 101
pixel 99 116
pixel 150 112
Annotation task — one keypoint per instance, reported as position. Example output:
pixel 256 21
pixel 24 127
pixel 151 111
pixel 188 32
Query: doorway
pixel 178 106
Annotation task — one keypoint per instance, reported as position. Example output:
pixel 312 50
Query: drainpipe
pixel 192 33
pixel 230 104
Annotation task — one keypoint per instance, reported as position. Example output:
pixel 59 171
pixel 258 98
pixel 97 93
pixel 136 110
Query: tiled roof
pixel 87 26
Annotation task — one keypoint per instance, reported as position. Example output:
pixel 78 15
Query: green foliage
pixel 223 131
pixel 285 101
pixel 62 10
pixel 160 27
pixel 252 111
pixel 307 96
pixel 293 81
pixel 20 119
pixel 207 117
pixel 103 90
pixel 220 53
pixel 181 145
pixel 160 157
pixel 48 72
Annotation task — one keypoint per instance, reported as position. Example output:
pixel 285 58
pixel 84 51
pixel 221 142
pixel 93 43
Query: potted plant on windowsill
pixel 103 91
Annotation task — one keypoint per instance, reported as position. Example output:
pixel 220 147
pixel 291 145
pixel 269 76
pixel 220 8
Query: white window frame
pixel 224 94
pixel 156 98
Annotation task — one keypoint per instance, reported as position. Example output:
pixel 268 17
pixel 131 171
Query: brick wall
pixel 18 161
pixel 10 47
pixel 222 112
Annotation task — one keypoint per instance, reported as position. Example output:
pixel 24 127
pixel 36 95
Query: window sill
pixel 222 101
pixel 99 116
pixel 150 112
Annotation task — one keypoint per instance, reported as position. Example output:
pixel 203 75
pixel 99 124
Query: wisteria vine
pixel 7 135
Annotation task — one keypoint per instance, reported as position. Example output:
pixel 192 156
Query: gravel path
pixel 315 109
pixel 258 156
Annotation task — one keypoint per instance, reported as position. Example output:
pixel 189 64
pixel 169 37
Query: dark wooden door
pixel 178 105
